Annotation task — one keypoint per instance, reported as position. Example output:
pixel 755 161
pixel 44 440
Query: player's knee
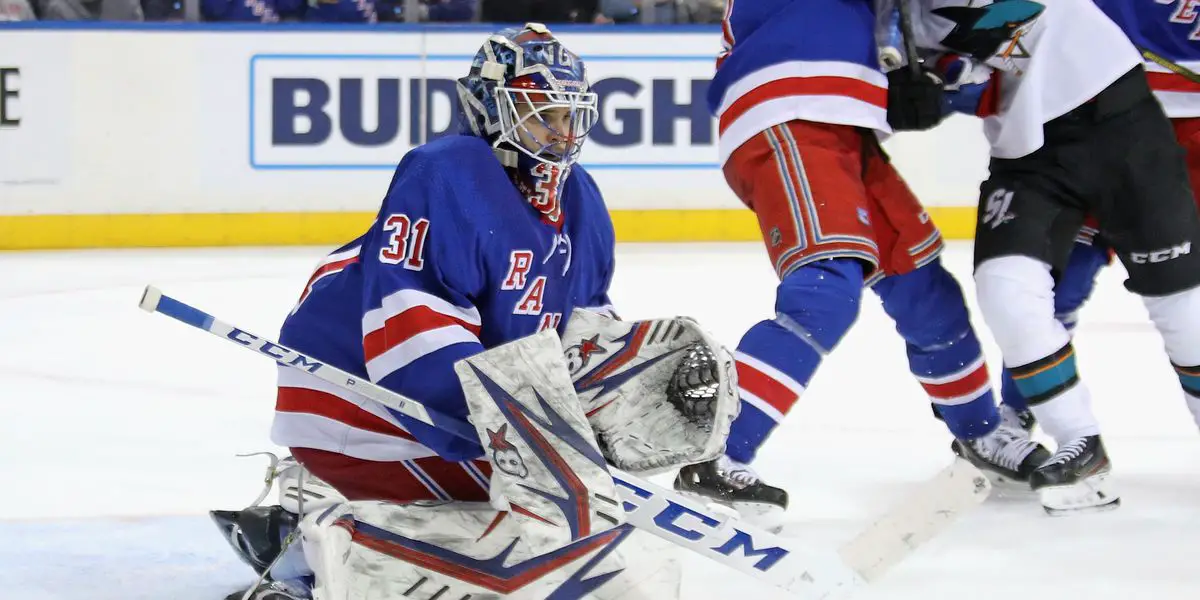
pixel 1016 299
pixel 927 305
pixel 822 299
pixel 1177 317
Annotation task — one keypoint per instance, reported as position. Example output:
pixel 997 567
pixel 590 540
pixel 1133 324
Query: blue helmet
pixel 527 92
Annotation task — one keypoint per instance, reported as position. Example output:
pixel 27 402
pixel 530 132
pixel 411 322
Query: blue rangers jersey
pixel 456 261
pixel 1170 29
pixel 784 60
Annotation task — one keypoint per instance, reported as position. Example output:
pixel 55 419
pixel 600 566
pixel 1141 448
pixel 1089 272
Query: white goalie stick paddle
pixel 781 562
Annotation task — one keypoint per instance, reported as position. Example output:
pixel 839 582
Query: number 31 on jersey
pixel 406 244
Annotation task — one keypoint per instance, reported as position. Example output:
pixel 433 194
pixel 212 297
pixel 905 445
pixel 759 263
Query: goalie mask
pixel 529 97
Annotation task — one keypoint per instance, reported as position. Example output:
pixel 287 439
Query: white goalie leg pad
pixel 547 468
pixel 447 551
pixel 660 394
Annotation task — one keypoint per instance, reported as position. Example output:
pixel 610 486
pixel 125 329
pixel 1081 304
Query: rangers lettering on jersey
pixel 518 269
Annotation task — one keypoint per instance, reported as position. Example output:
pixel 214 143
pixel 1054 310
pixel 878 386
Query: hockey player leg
pixel 1071 291
pixel 804 182
pixel 1177 317
pixel 1156 232
pixel 930 314
pixel 945 356
pixel 776 359
pixel 1016 299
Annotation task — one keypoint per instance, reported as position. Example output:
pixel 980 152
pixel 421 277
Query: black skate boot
pixel 1007 455
pixel 272 590
pixel 256 534
pixel 1075 478
pixel 730 483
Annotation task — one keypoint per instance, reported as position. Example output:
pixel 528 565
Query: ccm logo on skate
pixel 701 530
pixel 279 353
pixel 1161 255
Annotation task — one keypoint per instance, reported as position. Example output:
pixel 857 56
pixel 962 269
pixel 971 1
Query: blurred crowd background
pixel 661 12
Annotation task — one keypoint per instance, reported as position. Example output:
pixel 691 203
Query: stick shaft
pixel 906 31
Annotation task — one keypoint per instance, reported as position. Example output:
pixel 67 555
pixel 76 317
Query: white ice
pixel 118 430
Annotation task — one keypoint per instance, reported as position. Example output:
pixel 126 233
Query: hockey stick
pixel 906 31
pixel 679 520
pixel 901 46
pixel 1178 69
pixel 890 56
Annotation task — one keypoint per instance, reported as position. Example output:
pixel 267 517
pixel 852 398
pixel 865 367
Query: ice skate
pixel 1075 479
pixel 1006 455
pixel 256 534
pixel 735 485
pixel 272 590
pixel 1023 420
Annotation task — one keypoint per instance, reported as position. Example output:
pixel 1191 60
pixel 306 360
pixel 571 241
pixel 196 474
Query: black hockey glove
pixel 914 99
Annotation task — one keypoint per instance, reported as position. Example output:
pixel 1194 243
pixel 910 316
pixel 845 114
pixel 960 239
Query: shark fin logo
pixel 990 30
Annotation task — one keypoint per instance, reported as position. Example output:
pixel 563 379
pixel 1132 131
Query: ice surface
pixel 118 430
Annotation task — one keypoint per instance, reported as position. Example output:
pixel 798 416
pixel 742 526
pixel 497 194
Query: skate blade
pixel 1003 483
pixel 767 516
pixel 1094 494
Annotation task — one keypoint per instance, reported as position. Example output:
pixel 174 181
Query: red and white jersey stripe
pixel 822 91
pixel 1179 95
pixel 331 264
pixel 411 324
pixel 311 413
pixel 786 60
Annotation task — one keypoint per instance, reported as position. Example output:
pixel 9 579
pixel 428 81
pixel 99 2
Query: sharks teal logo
pixel 990 30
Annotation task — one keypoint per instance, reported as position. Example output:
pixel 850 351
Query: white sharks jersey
pixel 1048 59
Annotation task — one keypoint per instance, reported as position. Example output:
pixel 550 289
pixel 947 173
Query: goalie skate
pixel 731 484
pixel 272 590
pixel 256 534
pixel 1076 479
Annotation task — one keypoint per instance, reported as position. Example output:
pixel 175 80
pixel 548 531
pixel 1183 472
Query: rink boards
pixel 198 135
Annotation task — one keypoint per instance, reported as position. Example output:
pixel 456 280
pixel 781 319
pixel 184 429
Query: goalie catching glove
pixel 659 394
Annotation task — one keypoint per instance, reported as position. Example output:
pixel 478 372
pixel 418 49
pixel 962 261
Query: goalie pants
pixel 1075 284
pixel 1115 157
pixel 429 478
pixel 835 217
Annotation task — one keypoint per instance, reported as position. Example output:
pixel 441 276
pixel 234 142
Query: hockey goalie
pixel 481 291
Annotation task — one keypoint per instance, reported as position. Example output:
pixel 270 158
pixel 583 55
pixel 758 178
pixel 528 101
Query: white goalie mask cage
pixel 521 83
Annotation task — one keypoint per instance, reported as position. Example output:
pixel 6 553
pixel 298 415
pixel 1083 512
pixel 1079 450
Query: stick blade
pixel 928 511
pixel 150 298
